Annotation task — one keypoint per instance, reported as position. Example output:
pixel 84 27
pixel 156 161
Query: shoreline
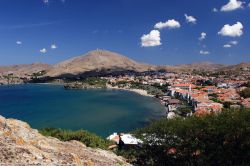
pixel 138 91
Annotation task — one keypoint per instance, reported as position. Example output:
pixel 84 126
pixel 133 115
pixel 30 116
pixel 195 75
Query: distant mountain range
pixel 23 70
pixel 107 61
pixel 202 66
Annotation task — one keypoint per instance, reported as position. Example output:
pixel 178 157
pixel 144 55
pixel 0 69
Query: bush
pixel 214 95
pixel 216 139
pixel 216 100
pixel 89 139
pixel 246 84
pixel 245 93
pixel 95 81
pixel 163 88
pixel 149 88
pixel 227 104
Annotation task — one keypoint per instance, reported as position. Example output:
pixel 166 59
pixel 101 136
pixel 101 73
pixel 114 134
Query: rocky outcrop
pixel 22 145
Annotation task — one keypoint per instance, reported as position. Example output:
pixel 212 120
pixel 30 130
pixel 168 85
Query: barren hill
pixel 201 66
pixel 97 60
pixel 239 67
pixel 22 70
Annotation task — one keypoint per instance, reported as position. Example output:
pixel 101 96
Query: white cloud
pixel 203 36
pixel 152 39
pixel 215 10
pixel 230 44
pixel 249 5
pixel 53 46
pixel 190 19
pixel 202 52
pixel 171 24
pixel 19 42
pixel 235 30
pixel 227 46
pixel 234 42
pixel 45 1
pixel 232 5
pixel 43 51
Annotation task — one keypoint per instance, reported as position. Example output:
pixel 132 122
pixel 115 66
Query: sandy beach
pixel 138 91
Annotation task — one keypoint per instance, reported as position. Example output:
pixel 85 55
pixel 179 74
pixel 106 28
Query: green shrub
pixel 95 81
pixel 149 88
pixel 214 95
pixel 245 93
pixel 89 139
pixel 246 84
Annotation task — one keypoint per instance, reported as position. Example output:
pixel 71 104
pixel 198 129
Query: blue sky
pixel 50 31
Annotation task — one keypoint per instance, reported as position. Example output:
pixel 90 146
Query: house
pixel 223 85
pixel 209 89
pixel 185 86
pixel 172 104
pixel 229 95
pixel 127 139
pixel 208 107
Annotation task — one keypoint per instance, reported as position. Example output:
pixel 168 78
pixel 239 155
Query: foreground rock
pixel 22 145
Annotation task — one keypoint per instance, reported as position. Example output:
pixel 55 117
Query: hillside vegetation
pixel 222 139
pixel 216 139
pixel 87 138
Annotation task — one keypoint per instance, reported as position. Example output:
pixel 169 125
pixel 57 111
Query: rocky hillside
pixel 23 70
pixel 202 66
pixel 239 67
pixel 22 145
pixel 98 60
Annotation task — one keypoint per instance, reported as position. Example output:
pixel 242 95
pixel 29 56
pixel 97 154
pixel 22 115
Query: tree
pixel 227 104
pixel 245 93
pixel 246 84
pixel 215 139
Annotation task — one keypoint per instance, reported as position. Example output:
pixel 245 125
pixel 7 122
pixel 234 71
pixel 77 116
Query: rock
pixel 22 145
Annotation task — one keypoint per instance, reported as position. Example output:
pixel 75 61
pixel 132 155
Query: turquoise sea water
pixel 100 111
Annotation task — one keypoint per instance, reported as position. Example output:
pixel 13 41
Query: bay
pixel 100 111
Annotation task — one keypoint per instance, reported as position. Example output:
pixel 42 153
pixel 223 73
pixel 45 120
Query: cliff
pixel 22 145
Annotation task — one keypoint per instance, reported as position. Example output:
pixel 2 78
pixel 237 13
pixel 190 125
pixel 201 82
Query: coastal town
pixel 185 94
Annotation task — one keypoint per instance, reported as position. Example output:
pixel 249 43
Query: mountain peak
pixel 97 60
